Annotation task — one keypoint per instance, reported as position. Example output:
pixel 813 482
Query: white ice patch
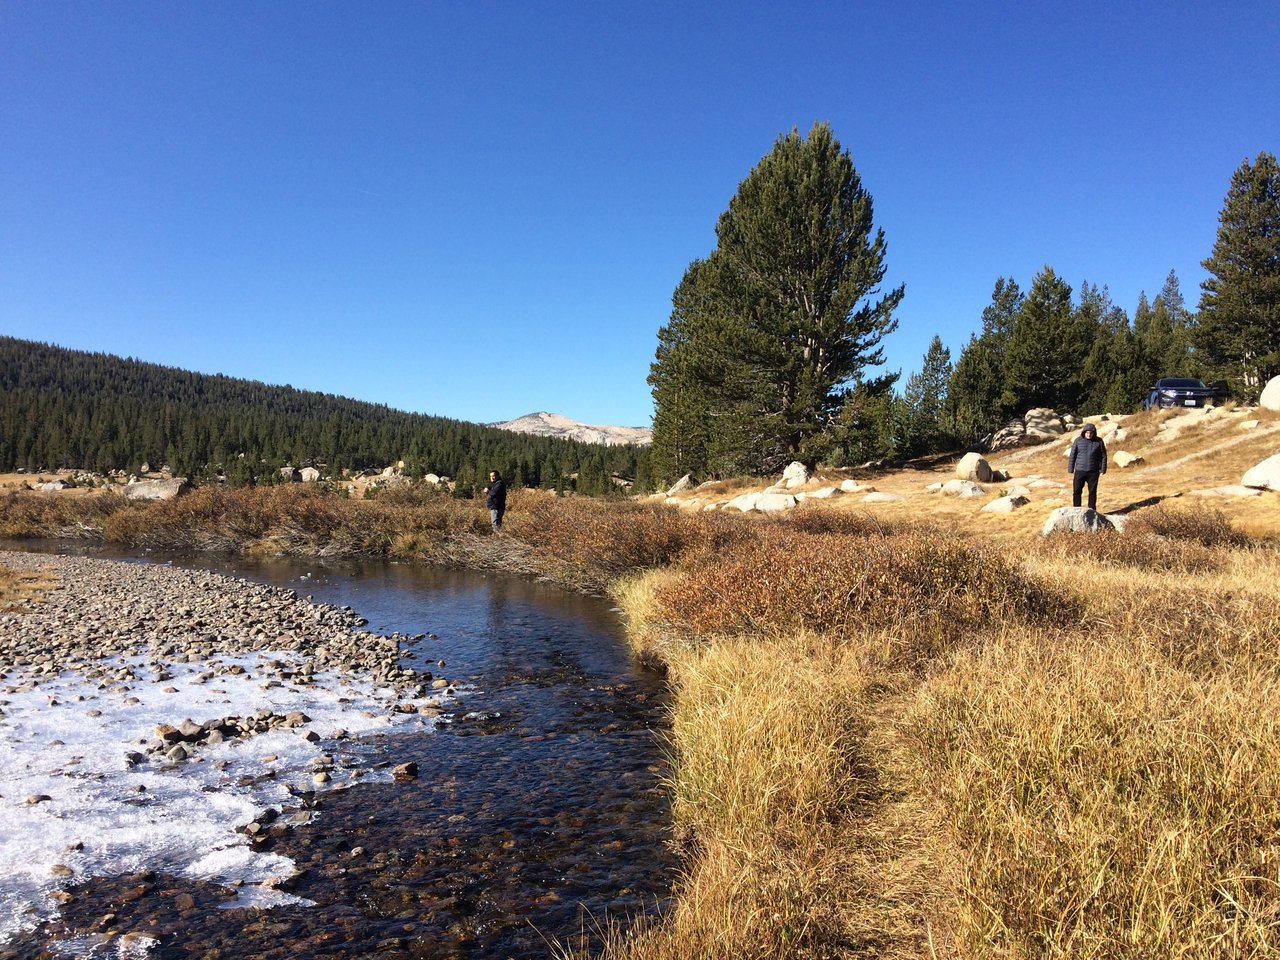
pixel 97 822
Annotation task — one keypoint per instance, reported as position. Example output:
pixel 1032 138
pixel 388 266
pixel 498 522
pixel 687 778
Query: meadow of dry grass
pixel 907 730
pixel 1084 764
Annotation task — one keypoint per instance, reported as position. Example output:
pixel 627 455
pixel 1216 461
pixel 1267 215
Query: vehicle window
pixel 1185 382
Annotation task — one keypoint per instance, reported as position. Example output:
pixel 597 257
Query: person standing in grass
pixel 1086 462
pixel 496 499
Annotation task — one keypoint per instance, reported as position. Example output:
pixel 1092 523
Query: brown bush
pixel 602 541
pixel 929 587
pixel 1207 527
pixel 27 514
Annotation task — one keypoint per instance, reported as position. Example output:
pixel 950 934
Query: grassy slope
pixel 1099 782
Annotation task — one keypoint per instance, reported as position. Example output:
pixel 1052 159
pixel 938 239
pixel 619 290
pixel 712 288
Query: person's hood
pixel 1087 429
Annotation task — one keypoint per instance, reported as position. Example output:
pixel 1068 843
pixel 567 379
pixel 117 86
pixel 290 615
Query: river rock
pixel 1005 504
pixel 963 489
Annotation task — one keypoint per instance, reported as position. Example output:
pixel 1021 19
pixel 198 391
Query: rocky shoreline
pixel 166 614
pixel 120 625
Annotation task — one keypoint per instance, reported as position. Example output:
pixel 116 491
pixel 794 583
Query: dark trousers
pixel 1078 480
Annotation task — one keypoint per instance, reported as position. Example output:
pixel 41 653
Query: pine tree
pixel 925 398
pixel 1048 345
pixel 1238 327
pixel 974 404
pixel 780 317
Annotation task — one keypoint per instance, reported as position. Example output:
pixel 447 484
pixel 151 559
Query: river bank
pixel 505 819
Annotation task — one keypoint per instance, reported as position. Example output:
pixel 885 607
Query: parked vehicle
pixel 1182 392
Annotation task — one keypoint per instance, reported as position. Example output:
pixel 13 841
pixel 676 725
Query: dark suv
pixel 1182 392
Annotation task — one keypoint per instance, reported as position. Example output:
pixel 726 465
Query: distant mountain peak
pixel 546 424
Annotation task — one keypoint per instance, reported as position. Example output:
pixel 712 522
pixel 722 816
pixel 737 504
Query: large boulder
pixel 1124 459
pixel 1042 425
pixel 775 502
pixel 309 475
pixel 1270 399
pixel 1011 435
pixel 1265 475
pixel 1076 520
pixel 746 502
pixel 796 475
pixel 973 466
pixel 156 489
pixel 680 486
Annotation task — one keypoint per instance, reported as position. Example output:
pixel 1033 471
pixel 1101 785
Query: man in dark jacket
pixel 496 499
pixel 1086 462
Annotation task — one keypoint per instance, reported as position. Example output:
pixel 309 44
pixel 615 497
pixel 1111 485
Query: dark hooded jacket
pixel 497 496
pixel 1088 452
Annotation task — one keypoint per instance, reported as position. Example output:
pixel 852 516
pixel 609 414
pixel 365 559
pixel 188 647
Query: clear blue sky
pixel 481 209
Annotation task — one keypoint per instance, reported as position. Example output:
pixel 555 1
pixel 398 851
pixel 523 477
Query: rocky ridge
pixel 545 424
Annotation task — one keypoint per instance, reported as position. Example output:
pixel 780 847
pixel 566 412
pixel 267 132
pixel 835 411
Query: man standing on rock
pixel 496 498
pixel 1086 462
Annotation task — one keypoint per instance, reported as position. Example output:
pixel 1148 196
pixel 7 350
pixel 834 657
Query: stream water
pixel 538 816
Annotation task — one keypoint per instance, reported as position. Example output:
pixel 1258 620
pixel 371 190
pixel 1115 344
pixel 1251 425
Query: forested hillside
pixel 69 408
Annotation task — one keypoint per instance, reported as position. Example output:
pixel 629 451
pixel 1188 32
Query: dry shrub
pixel 604 540
pixel 31 514
pixel 927 587
pixel 822 519
pixel 1208 625
pixel 1134 548
pixel 1208 527
pixel 1109 805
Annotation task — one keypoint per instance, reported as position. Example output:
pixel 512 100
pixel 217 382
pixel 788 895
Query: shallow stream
pixel 537 817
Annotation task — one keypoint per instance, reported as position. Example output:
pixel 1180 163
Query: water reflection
pixel 537 815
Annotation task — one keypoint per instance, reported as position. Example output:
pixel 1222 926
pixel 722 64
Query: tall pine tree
pixel 1048 345
pixel 787 306
pixel 1238 327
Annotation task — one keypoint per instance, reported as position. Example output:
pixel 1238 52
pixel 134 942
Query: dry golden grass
pixel 1101 785
pixel 20 589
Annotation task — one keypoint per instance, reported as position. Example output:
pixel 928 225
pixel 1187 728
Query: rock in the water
pixel 405 771
pixel 1076 520
pixel 973 466
pixel 1265 475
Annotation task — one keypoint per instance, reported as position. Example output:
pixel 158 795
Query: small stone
pixel 405 771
